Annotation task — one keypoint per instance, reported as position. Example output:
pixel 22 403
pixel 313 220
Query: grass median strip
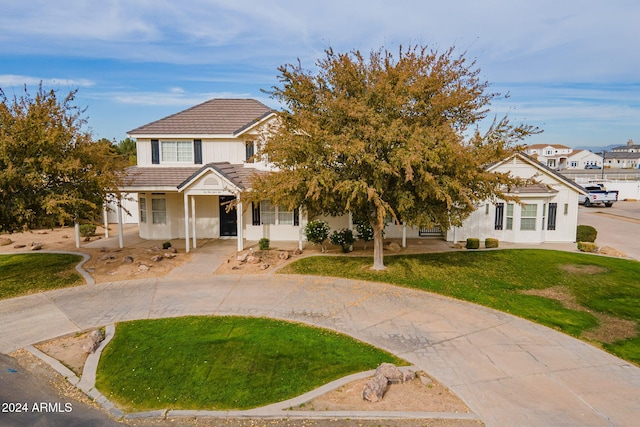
pixel 505 279
pixel 220 363
pixel 23 274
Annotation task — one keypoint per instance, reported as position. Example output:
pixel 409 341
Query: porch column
pixel 350 227
pixel 76 232
pixel 105 220
pixel 404 235
pixel 300 228
pixel 239 226
pixel 120 228
pixel 186 223
pixel 193 222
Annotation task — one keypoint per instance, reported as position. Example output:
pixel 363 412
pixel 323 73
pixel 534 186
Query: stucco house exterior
pixel 192 164
pixel 624 156
pixel 547 212
pixel 552 155
pixel 580 159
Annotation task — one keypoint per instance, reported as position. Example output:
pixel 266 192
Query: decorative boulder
pixel 156 258
pixel 36 246
pixel 242 257
pixel 284 255
pixel 252 259
pixel 297 251
pixel 375 388
pixel 390 372
pixel 4 241
pixel 264 266
pixel 127 258
pixel 143 267
pixel 93 341
pixel 394 247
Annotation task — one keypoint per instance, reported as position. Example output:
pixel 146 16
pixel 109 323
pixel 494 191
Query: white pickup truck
pixel 598 194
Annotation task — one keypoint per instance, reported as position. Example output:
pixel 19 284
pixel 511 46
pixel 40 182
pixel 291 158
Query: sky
pixel 570 67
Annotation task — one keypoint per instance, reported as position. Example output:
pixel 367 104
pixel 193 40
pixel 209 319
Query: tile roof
pixel 213 117
pixel 148 178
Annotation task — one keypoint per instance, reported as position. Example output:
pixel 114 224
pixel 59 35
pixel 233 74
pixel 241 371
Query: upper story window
pixel 176 151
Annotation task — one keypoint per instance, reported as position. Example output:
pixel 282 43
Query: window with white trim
pixel 275 215
pixel 142 205
pixel 528 217
pixel 158 210
pixel 176 151
pixel 509 217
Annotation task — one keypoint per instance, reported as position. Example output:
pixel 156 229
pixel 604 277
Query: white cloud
pixel 12 80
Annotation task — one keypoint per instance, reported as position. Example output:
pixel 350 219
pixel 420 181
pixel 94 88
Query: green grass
pixel 497 278
pixel 22 274
pixel 224 362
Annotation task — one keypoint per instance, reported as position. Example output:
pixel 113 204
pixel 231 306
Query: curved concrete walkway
pixel 509 371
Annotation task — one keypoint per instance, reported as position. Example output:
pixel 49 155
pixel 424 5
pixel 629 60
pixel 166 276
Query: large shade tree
pixel 388 138
pixel 51 172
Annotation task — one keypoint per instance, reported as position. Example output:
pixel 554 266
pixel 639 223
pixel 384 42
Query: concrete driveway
pixel 509 371
pixel 618 226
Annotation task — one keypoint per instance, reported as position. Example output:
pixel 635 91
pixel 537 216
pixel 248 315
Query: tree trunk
pixel 378 247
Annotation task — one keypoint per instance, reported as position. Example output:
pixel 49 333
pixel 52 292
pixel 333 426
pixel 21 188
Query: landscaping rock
pixel 19 246
pixel 93 341
pixel 107 257
pixel 157 258
pixel 375 388
pixel 252 259
pixel 394 247
pixel 424 379
pixel 242 257
pixel 4 241
pixel 284 255
pixel 297 252
pixel 390 372
pixel 264 266
pixel 143 267
pixel 172 250
pixel 607 250
pixel 170 255
pixel 128 258
pixel 36 246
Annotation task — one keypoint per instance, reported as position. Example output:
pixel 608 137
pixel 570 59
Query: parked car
pixel 598 194
pixel 592 167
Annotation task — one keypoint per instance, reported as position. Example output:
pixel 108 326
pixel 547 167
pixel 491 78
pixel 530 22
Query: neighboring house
pixel 547 212
pixel 554 156
pixel 623 156
pixel 192 164
pixel 580 159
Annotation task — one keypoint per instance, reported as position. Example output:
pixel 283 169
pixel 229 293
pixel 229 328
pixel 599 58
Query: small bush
pixel 473 243
pixel 87 230
pixel 317 232
pixel 343 238
pixel 586 233
pixel 587 247
pixel 364 231
pixel 490 243
pixel 166 245
pixel 264 244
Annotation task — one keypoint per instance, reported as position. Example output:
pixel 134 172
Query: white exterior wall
pixel 583 158
pixel 213 150
pixel 130 203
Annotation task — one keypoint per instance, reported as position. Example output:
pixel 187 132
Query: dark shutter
pixel 551 220
pixel 155 152
pixel 249 151
pixel 255 213
pixel 296 217
pixel 197 151
pixel 499 216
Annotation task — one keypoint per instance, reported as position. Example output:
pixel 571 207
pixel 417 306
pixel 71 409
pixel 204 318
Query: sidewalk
pixel 507 370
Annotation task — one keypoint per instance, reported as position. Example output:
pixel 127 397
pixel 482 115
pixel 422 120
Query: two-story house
pixel 623 156
pixel 552 155
pixel 193 164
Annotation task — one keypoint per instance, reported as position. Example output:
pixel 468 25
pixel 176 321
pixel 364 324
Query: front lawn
pixel 224 362
pixel 516 281
pixel 22 274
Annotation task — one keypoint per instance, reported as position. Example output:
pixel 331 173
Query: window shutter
pixel 255 213
pixel 296 217
pixel 155 152
pixel 197 151
pixel 551 220
pixel 499 216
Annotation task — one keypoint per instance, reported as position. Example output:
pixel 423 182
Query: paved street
pixel 617 226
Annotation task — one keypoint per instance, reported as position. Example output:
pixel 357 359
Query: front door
pixel 228 220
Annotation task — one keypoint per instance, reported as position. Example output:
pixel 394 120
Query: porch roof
pixel 176 178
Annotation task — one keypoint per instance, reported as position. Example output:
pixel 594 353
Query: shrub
pixel 586 233
pixel 587 247
pixel 87 230
pixel 263 244
pixel 490 243
pixel 364 232
pixel 343 238
pixel 317 232
pixel 166 245
pixel 473 243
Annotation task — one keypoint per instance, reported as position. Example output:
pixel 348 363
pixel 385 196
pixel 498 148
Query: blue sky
pixel 571 67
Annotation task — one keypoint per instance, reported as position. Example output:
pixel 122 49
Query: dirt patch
pixel 583 269
pixel 68 350
pixel 413 396
pixel 107 264
pixel 610 330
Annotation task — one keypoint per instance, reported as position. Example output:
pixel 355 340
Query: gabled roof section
pixel 214 117
pixel 237 175
pixel 533 162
